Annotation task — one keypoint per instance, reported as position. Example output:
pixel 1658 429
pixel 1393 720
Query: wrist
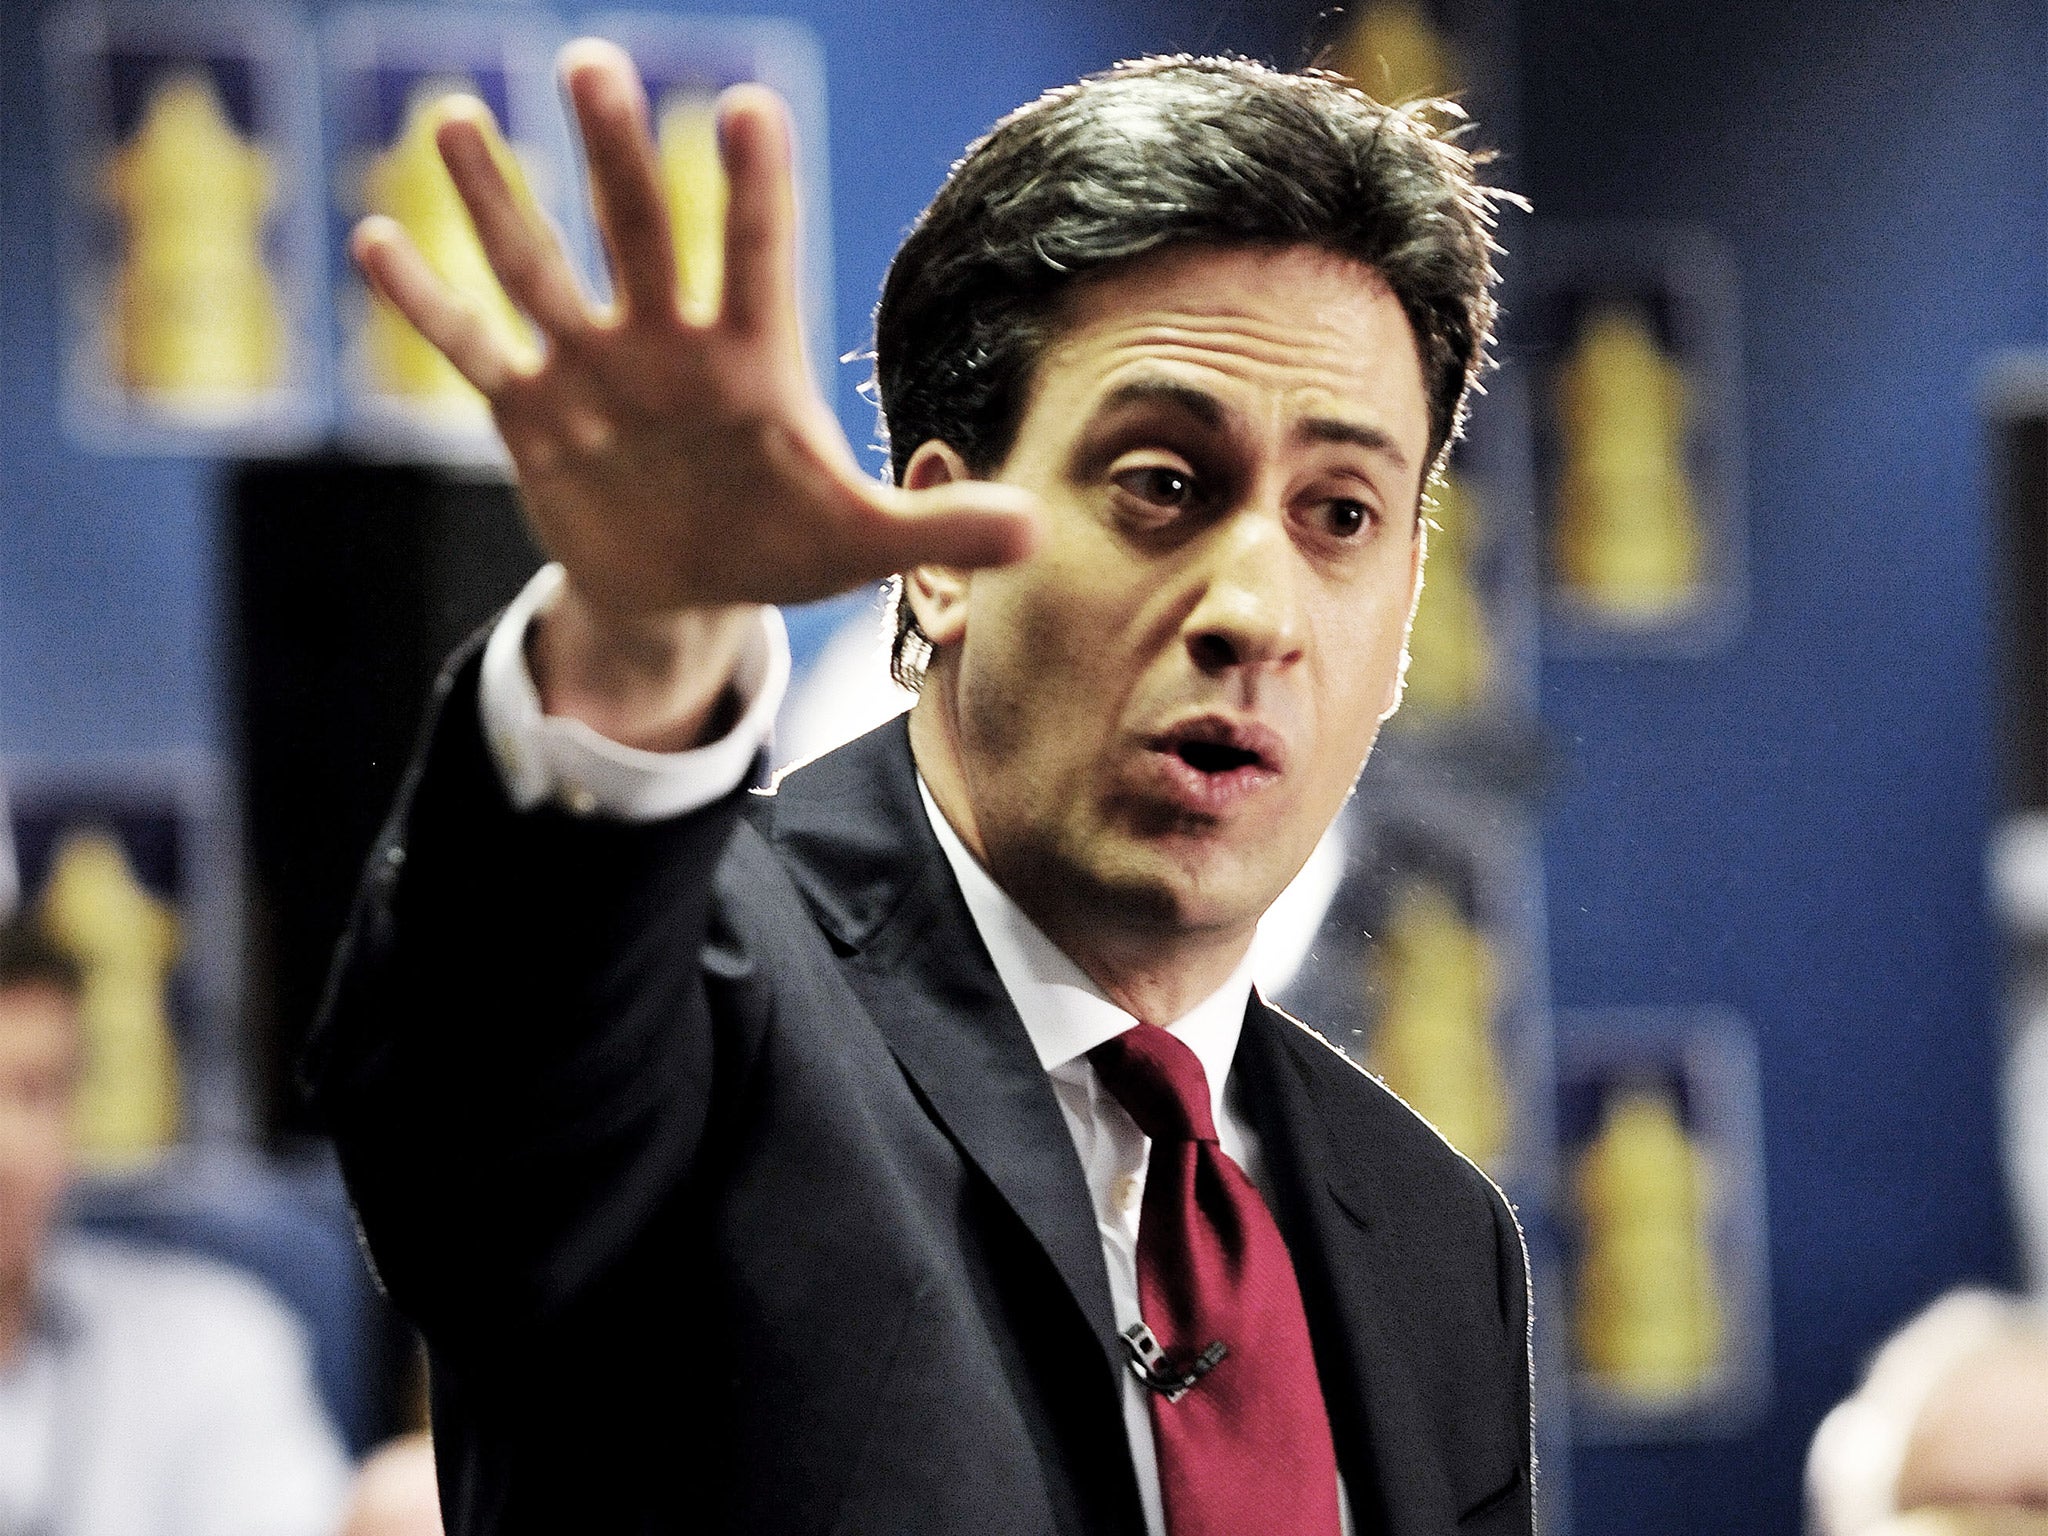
pixel 660 682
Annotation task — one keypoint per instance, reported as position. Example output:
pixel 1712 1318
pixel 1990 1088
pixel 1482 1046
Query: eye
pixel 1157 485
pixel 1347 518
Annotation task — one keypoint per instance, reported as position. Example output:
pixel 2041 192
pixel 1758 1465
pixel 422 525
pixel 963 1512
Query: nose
pixel 1248 616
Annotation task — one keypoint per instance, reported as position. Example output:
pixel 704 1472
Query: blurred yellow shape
pixel 127 941
pixel 1393 53
pixel 1649 1315
pixel 694 179
pixel 1451 654
pixel 407 182
pixel 1434 1043
pixel 196 315
pixel 1627 538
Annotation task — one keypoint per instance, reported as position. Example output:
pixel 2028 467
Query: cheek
pixel 1365 645
pixel 1004 665
pixel 1046 647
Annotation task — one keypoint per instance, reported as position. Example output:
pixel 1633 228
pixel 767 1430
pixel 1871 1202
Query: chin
pixel 1162 888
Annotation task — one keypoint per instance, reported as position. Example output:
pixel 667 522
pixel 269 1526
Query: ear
pixel 937 594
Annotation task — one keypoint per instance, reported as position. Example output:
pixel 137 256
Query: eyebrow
pixel 1210 412
pixel 1328 429
pixel 1198 403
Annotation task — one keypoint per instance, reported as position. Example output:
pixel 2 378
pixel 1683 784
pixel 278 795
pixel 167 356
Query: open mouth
pixel 1213 763
pixel 1216 747
pixel 1209 764
pixel 1215 756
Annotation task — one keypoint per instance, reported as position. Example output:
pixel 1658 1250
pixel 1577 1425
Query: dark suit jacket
pixel 717 1169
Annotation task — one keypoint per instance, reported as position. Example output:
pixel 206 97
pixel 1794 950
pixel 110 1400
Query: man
pixel 906 1150
pixel 394 1493
pixel 139 1392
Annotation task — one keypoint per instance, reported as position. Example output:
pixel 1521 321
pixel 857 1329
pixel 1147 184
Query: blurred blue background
pixel 1793 827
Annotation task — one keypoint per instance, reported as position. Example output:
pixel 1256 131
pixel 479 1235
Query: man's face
pixel 1159 712
pixel 38 1071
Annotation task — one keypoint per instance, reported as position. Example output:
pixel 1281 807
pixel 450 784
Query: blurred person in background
pixel 394 1493
pixel 141 1393
pixel 2026 1144
pixel 1947 1434
pixel 1948 1431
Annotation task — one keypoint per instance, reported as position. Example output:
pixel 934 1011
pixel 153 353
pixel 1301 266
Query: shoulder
pixel 1339 1081
pixel 1443 1252
pixel 1417 1176
pixel 202 1381
pixel 171 1306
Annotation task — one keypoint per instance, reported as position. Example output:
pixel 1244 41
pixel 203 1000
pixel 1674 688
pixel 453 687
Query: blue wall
pixel 1793 828
pixel 1796 828
pixel 106 577
pixel 107 566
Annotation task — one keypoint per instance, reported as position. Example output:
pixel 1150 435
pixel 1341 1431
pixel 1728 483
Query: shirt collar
pixel 1064 1012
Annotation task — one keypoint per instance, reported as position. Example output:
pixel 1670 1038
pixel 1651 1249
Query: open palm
pixel 673 462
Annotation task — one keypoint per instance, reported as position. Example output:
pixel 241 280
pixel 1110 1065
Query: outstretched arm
pixel 517 1055
pixel 681 467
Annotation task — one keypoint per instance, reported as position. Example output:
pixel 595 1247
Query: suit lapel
pixel 858 845
pixel 1319 1157
pixel 862 851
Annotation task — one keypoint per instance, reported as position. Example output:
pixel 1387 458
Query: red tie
pixel 1243 1437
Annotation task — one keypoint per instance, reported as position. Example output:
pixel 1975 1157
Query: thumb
pixel 964 524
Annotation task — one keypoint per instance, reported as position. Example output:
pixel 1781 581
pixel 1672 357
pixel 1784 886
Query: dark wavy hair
pixel 1159 152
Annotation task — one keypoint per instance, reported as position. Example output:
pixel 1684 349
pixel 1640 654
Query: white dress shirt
pixel 1065 1014
pixel 159 1394
pixel 547 757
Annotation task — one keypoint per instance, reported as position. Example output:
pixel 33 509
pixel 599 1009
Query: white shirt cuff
pixel 545 758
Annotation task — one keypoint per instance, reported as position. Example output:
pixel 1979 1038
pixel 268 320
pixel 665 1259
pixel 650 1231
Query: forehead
pixel 1298 327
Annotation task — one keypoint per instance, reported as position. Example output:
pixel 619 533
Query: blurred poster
pixel 1425 948
pixel 1661 1149
pixel 1638 436
pixel 686 61
pixel 388 72
pixel 1394 51
pixel 186 140
pixel 840 686
pixel 131 865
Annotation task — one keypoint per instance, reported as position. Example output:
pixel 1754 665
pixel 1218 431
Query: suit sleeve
pixel 1511 1511
pixel 515 1055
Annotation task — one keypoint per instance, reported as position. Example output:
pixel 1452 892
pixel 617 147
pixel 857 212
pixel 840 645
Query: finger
pixel 625 181
pixel 760 214
pixel 527 259
pixel 449 322
pixel 965 525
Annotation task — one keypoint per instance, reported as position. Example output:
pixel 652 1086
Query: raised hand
pixel 677 465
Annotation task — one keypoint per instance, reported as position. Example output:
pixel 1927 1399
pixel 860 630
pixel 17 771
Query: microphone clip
pixel 1148 1362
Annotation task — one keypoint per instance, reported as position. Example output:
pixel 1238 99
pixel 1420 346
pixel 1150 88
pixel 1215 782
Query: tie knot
pixel 1159 1081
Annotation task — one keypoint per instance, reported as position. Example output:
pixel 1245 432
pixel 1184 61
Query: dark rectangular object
pixel 349 585
pixel 2020 641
